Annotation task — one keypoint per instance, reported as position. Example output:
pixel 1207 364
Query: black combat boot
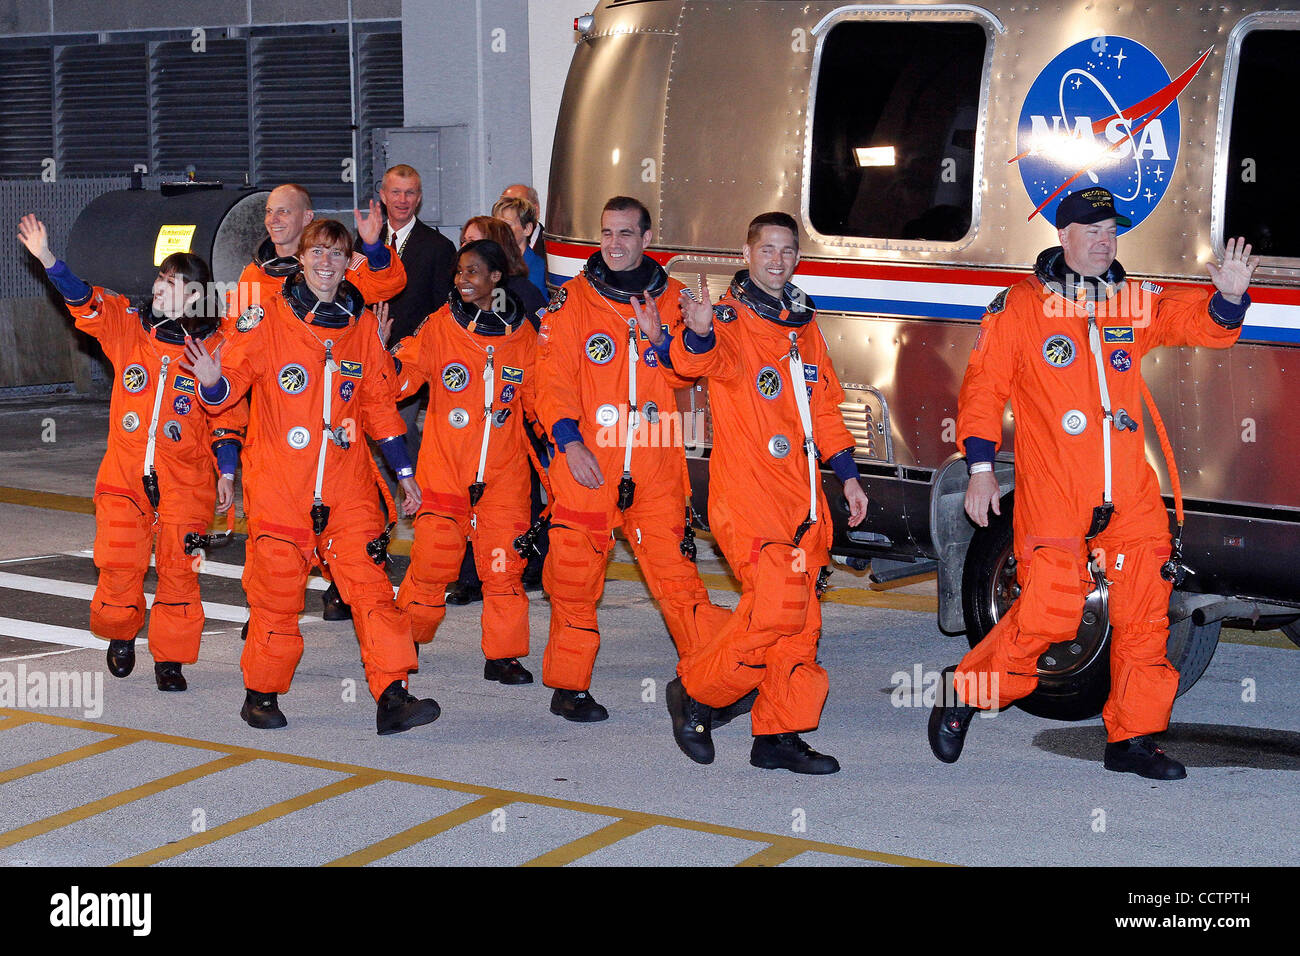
pixel 692 722
pixel 168 675
pixel 262 711
pixel 1141 756
pixel 578 706
pixel 121 657
pixel 789 752
pixel 332 606
pixel 400 710
pixel 949 721
pixel 507 670
pixel 725 715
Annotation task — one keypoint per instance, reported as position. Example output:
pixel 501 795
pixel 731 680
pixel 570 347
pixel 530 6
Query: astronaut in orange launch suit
pixel 168 460
pixel 607 398
pixel 776 402
pixel 478 355
pixel 315 361
pixel 1065 346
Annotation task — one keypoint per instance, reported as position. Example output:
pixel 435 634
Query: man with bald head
pixel 536 242
pixel 376 273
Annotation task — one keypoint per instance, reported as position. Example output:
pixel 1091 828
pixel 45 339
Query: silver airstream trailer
pixel 923 147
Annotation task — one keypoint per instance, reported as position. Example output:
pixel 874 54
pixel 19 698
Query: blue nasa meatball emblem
pixel 1120 360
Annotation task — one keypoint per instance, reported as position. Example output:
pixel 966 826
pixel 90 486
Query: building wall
pixel 494 67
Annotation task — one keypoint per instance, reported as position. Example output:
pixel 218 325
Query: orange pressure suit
pixel 1033 348
pixel 450 351
pixel 264 277
pixel 186 435
pixel 759 497
pixel 582 377
pixel 282 358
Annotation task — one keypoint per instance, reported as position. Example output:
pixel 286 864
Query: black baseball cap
pixel 1087 206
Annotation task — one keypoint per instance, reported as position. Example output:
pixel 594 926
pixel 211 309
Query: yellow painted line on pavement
pixel 67 757
pixel 576 850
pixel 96 807
pixel 498 797
pixel 14 720
pixel 418 833
pixel 774 855
pixel 51 501
pixel 248 821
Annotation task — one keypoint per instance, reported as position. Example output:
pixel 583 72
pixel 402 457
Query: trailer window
pixel 894 124
pixel 1260 199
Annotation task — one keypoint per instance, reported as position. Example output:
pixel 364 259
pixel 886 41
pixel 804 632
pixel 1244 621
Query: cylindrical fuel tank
pixel 120 239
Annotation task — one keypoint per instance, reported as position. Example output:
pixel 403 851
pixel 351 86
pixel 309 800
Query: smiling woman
pixel 324 251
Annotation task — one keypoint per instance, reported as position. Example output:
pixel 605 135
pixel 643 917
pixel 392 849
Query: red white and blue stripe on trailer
pixel 936 292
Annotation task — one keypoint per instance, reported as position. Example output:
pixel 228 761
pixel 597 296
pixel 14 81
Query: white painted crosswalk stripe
pixel 85 592
pixel 53 634
pixel 219 570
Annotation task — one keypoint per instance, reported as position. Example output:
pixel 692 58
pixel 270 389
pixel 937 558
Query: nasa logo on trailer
pixel 455 377
pixel 134 378
pixel 1059 351
pixel 1103 112
pixel 293 378
pixel 1120 360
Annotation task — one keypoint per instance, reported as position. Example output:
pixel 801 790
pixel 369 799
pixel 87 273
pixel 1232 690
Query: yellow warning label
pixel 172 239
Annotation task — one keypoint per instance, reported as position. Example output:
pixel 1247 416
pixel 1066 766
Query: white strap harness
pixel 327 433
pixel 633 415
pixel 1094 345
pixel 805 420
pixel 153 422
pixel 489 389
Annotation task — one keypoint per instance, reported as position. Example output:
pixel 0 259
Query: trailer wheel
pixel 1190 649
pixel 1073 676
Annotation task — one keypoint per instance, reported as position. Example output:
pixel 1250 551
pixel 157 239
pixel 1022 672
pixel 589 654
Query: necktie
pixel 392 237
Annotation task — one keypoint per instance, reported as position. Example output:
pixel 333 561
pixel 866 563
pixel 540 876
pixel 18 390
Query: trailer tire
pixel 1190 649
pixel 1073 676
pixel 1072 684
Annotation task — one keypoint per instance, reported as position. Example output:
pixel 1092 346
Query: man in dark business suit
pixel 429 258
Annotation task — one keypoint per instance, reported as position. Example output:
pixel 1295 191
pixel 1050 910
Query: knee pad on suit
pixel 1053 593
pixel 781 586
